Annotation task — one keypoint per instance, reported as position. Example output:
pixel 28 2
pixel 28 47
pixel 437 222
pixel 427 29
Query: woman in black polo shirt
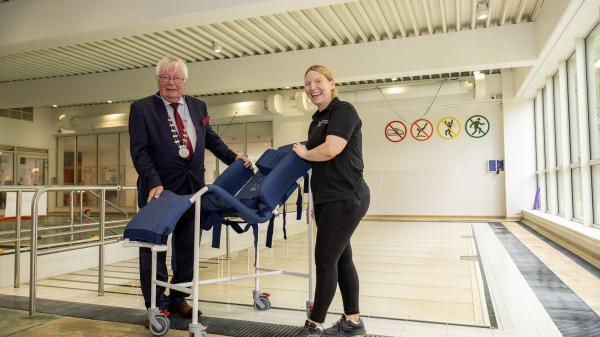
pixel 341 199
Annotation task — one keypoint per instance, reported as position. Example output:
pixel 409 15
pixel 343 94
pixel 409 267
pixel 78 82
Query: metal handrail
pixel 110 203
pixel 17 240
pixel 34 236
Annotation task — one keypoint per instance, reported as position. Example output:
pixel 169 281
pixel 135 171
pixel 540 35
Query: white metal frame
pixel 195 328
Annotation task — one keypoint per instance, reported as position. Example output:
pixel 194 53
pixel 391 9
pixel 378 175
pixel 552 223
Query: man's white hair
pixel 170 61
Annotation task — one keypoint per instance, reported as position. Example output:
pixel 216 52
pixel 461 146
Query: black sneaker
pixel 346 328
pixel 310 329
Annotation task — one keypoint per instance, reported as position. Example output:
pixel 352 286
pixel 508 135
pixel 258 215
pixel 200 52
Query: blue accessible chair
pixel 239 198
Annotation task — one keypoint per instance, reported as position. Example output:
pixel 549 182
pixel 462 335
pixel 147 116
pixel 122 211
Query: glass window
pixel 65 168
pixel 593 71
pixel 596 193
pixel 234 135
pixel 540 161
pixel 32 171
pixel 127 173
pixel 559 144
pixel 6 169
pixel 108 163
pixel 577 194
pixel 573 107
pixel 87 165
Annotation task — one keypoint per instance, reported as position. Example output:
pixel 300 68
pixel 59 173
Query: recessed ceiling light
pixel 287 86
pixel 217 47
pixel 482 10
pixel 240 91
pixel 54 106
pixel 109 101
pixel 394 78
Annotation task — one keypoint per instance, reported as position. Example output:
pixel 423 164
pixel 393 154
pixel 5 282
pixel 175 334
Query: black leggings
pixel 336 221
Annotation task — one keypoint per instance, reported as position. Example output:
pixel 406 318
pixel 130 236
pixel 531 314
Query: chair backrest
pixel 278 171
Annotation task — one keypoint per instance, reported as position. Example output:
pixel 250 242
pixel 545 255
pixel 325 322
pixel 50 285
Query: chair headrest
pixel 269 159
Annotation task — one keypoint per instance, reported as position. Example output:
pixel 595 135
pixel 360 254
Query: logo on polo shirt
pixel 322 122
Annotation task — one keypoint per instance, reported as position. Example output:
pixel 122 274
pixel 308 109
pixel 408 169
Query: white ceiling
pixel 335 24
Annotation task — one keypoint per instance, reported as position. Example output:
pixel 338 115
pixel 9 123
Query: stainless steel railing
pixel 17 240
pixel 102 240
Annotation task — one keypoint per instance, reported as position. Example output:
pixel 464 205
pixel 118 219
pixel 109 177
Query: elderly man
pixel 169 132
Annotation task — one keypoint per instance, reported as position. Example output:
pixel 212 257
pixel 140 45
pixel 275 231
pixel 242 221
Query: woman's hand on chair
pixel 247 162
pixel 300 150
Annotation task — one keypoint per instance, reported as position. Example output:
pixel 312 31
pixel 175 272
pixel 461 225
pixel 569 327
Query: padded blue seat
pixel 237 192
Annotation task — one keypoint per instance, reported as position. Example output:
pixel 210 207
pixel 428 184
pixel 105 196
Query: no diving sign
pixel 395 131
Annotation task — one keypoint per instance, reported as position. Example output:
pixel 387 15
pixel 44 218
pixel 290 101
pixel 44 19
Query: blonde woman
pixel 341 198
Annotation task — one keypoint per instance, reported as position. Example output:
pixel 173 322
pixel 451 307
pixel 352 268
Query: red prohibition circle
pixel 395 131
pixel 415 127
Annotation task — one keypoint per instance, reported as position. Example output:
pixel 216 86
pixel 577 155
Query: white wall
pixel 37 134
pixel 435 177
pixel 62 263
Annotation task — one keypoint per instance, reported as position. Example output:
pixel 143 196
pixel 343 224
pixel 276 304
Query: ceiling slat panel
pixel 83 59
pixel 313 33
pixel 443 16
pixel 209 40
pixel 333 16
pixel 110 55
pixel 520 11
pixel 427 11
pixel 504 12
pixel 115 47
pixel 301 29
pixel 350 17
pixel 241 50
pixel 390 6
pixel 351 22
pixel 258 31
pixel 413 19
pixel 197 46
pixel 298 42
pixel 204 45
pixel 324 24
pixel 381 17
pixel 139 47
pixel 365 18
pixel 181 42
pixel 234 25
pixel 536 10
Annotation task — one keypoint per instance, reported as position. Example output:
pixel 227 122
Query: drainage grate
pixel 219 326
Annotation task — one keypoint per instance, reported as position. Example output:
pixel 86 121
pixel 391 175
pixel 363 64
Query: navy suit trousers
pixel 182 260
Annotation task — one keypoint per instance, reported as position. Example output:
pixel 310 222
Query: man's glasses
pixel 167 78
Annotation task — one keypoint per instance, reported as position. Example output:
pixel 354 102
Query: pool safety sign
pixel 421 129
pixel 477 126
pixel 448 128
pixel 395 131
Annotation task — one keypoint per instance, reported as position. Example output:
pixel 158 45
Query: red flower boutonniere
pixel 205 120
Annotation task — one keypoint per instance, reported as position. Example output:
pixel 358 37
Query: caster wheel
pixel 263 303
pixel 164 323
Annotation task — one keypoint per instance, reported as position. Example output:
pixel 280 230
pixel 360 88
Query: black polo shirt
pixel 340 178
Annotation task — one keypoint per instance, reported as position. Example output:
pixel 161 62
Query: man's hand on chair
pixel 154 193
pixel 247 162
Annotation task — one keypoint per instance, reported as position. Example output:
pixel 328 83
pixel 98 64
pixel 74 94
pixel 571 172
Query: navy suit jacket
pixel 155 154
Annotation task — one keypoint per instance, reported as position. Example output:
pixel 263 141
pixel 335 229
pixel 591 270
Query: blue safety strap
pixel 269 242
pixel 299 204
pixel 284 222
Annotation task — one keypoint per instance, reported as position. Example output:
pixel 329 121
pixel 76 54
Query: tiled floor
pixel 410 272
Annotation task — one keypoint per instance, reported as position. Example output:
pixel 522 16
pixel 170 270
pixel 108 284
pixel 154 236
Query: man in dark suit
pixel 168 133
